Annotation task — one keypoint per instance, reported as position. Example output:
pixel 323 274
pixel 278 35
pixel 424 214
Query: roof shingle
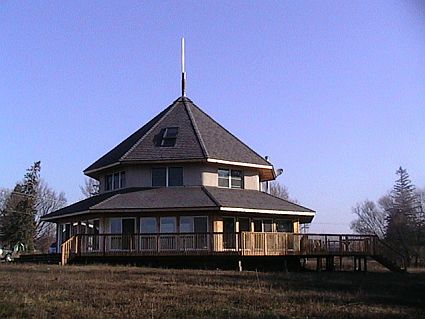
pixel 182 198
pixel 199 138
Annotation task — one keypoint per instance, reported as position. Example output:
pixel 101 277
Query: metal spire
pixel 183 71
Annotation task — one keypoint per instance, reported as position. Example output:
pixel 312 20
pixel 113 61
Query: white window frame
pixel 230 178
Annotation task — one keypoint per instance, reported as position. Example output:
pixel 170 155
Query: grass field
pixel 41 291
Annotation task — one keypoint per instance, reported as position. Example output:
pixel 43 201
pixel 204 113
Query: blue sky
pixel 333 92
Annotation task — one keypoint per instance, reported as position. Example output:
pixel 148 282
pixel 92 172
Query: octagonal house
pixel 180 185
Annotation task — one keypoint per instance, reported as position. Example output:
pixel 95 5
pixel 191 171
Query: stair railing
pixel 384 250
pixel 69 248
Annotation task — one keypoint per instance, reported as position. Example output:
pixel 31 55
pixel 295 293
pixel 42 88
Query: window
pixel 284 225
pixel 267 225
pixel 168 225
pixel 167 176
pixel 223 177
pixel 175 176
pixel 148 225
pixel 169 137
pixel 186 224
pixel 230 178
pixel 258 225
pixel 244 224
pixel 115 181
pixel 108 184
pixel 115 225
pixel 122 179
pixel 159 176
pixel 189 224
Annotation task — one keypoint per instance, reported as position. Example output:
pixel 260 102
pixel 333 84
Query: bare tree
pixel 281 191
pixel 370 219
pixel 90 188
pixel 4 194
pixel 47 201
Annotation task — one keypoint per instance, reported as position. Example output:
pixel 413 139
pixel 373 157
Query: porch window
pixel 189 224
pixel 230 178
pixel 258 225
pixel 122 230
pixel 148 225
pixel 267 225
pixel 168 225
pixel 92 229
pixel 115 225
pixel 244 224
pixel 284 225
pixel 64 233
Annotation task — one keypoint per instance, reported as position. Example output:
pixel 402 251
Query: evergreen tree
pixel 402 213
pixel 18 216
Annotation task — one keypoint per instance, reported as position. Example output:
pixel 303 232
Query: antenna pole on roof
pixel 183 72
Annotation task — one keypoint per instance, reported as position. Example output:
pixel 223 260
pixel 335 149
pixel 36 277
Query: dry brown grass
pixel 41 291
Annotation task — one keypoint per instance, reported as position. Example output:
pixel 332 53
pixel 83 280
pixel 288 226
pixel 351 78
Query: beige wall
pixel 210 177
pixel 194 175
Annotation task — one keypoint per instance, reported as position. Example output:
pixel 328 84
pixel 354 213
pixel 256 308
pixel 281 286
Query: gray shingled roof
pixel 199 138
pixel 252 199
pixel 179 198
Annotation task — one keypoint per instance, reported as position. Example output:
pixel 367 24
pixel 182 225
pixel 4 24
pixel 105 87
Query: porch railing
pixel 244 243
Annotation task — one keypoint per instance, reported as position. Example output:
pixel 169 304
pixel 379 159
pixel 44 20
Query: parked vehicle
pixel 52 248
pixel 5 254
pixel 8 255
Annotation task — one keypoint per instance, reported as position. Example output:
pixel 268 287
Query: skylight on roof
pixel 169 137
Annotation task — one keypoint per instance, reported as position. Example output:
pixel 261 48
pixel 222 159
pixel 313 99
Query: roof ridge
pixel 104 201
pixel 230 133
pixel 210 196
pixel 171 107
pixel 195 127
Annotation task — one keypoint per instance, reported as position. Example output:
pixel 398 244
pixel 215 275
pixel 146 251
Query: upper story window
pixel 167 176
pixel 169 137
pixel 230 178
pixel 115 181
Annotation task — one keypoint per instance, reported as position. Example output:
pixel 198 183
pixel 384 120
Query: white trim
pixel 213 160
pixel 100 168
pixel 266 211
pixel 230 170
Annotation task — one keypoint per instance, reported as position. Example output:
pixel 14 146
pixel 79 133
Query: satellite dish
pixel 279 171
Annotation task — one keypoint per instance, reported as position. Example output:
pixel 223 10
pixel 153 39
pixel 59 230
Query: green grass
pixel 41 291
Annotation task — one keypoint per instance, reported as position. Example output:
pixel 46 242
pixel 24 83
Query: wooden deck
pixel 236 244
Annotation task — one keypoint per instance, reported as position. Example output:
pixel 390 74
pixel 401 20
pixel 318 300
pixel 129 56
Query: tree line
pixel 398 218
pixel 22 207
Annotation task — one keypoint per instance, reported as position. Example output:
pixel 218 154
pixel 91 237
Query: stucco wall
pixel 193 175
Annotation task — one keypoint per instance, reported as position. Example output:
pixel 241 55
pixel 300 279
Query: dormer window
pixel 169 136
pixel 230 178
pixel 115 181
